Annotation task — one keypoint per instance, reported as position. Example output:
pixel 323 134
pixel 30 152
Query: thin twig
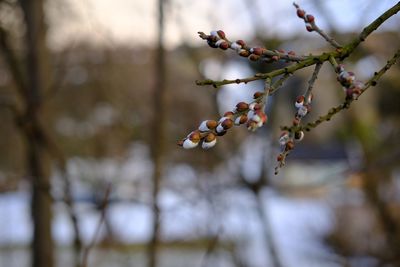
pixel 278 83
pixel 266 54
pixel 307 102
pixel 312 26
pixel 333 111
pixel 267 229
pixel 103 207
pixel 324 35
pixel 12 61
pixel 340 53
pixel 311 82
pixel 370 28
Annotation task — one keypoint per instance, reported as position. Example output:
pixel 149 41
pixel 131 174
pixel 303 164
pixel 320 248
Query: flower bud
pixel 259 116
pixel 221 34
pixel 258 95
pixel 254 57
pixel 255 106
pixel 214 33
pixel 298 136
pixel 188 144
pixel 224 45
pixel 340 68
pixel 209 141
pixel 289 145
pixel 208 125
pixel 302 111
pixel 295 122
pixel 194 136
pixel 252 125
pixel 283 138
pixel 236 46
pixel 227 115
pixel 219 42
pixel 309 18
pixel 242 106
pixel 257 51
pixel 220 129
pixel 299 101
pixel 300 13
pixel 211 44
pixel 226 124
pixel 244 53
pixel 309 28
pixel 241 43
pixel 241 119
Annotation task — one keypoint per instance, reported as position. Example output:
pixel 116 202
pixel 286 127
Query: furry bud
pixel 310 18
pixel 209 141
pixel 224 45
pixel 242 106
pixel 244 53
pixel 300 13
pixel 221 34
pixel 258 95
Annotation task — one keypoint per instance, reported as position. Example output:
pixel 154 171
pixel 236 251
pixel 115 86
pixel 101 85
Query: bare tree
pixel 158 131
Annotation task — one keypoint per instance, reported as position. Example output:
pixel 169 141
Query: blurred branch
pixel 255 187
pixel 28 121
pixel 103 207
pixel 158 134
pixel 10 104
pixel 12 62
pixel 267 229
pixel 211 246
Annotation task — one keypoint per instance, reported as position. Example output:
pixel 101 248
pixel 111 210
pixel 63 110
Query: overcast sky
pixel 132 22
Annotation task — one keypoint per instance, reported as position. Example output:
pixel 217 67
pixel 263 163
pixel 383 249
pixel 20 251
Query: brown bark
pixel 158 137
pixel 37 158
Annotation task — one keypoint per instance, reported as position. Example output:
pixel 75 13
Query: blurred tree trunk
pixel 158 134
pixel 37 158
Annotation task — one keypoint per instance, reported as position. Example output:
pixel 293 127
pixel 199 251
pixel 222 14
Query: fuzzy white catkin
pixel 208 145
pixel 188 144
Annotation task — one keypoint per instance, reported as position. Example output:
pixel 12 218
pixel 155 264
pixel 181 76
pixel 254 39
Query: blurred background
pixel 94 95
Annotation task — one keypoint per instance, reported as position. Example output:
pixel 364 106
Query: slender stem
pixel 333 62
pixel 103 207
pixel 333 111
pixel 159 135
pixel 340 53
pixel 311 83
pixel 267 53
pixel 370 28
pixel 324 35
pixel 264 218
pixel 278 83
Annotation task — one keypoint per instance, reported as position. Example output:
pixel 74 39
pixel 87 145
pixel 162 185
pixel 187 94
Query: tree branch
pixel 333 111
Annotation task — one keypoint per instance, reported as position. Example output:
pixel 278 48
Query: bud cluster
pixel 303 106
pixel 308 19
pixel 249 114
pixel 288 139
pixel 351 86
pixel 217 39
